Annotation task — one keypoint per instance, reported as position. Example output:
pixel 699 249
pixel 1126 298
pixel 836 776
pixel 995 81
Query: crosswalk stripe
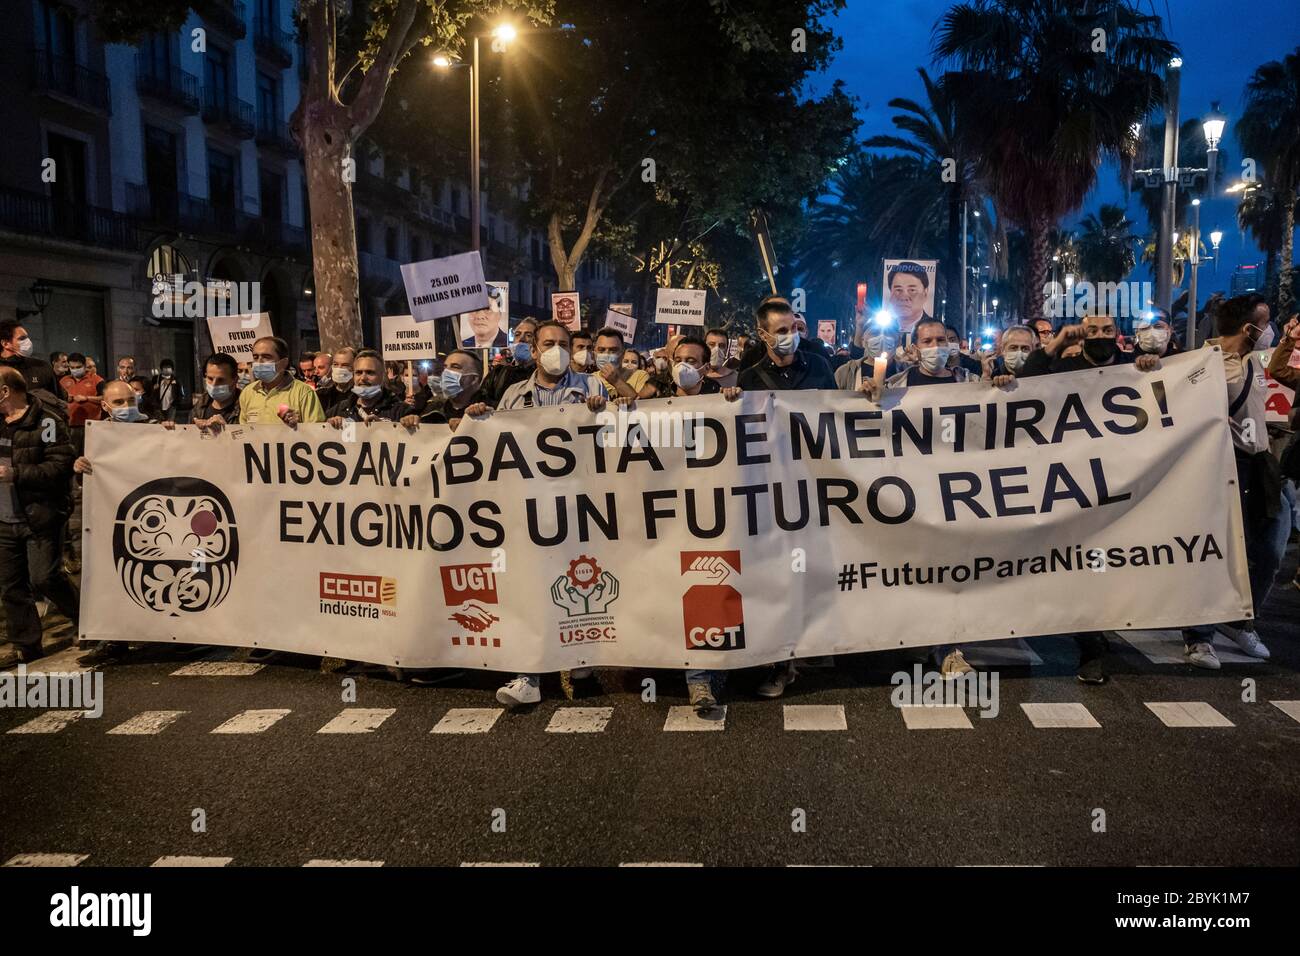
pixel 344 863
pixel 935 718
pixel 358 720
pixel 1289 707
pixel 500 864
pixel 579 720
pixel 468 720
pixel 1166 647
pixel 50 722
pixel 685 719
pixel 192 861
pixel 815 717
pixel 148 722
pixel 62 662
pixel 659 864
pixel 46 859
pixel 1188 713
pixel 1059 715
pixel 251 721
pixel 218 669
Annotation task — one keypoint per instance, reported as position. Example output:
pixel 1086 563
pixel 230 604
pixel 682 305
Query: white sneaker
pixel 524 689
pixel 1201 654
pixel 1247 639
pixel 782 676
pixel 954 665
pixel 701 694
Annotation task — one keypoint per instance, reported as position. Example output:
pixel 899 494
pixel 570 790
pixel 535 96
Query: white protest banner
pixel 1277 407
pixel 405 339
pixel 623 321
pixel 566 311
pixel 488 328
pixel 235 334
pixel 826 331
pixel 680 306
pixel 687 533
pixel 437 288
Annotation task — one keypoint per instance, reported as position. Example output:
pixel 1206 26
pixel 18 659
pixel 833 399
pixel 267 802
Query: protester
pixel 1154 336
pixel 16 348
pixel 165 393
pixel 126 368
pixel 90 364
pixel 1243 324
pixel 369 399
pixel 553 382
pixel 321 363
pixel 36 458
pixel 218 404
pixel 958 357
pixel 718 368
pixel 244 377
pixel 1014 349
pixel 339 384
pixel 583 360
pixel 783 366
pixel 1043 327
pixel 84 390
pixel 462 386
pixel 521 363
pixel 59 362
pixel 393 381
pixel 307 368
pixel 632 361
pixel 276 396
pixel 619 384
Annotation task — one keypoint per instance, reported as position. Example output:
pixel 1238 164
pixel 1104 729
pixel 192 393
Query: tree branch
pixel 361 112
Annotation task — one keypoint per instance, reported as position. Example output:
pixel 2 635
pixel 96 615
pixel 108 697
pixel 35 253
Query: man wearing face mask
pixel 126 368
pixel 84 389
pixel 244 374
pixel 1017 343
pixel 1244 327
pixel 930 357
pixel 1154 336
pixel 165 392
pixel 369 400
pixel 35 501
pixel 336 384
pixel 618 383
pixel 719 370
pixel 461 387
pixel 959 359
pixel 582 360
pixel 218 405
pixel 16 352
pixel 321 363
pixel 784 366
pixel 1097 336
pixel 553 382
pixel 520 365
pixel 276 396
pixel 59 362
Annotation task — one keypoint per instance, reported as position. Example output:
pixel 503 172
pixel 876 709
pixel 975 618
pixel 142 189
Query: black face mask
pixel 1100 351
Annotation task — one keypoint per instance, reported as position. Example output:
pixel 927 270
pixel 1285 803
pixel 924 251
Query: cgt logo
pixel 361 588
pixel 713 614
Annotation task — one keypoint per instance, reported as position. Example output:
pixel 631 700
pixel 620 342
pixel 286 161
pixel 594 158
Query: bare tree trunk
pixel 333 234
pixel 1033 301
pixel 1285 302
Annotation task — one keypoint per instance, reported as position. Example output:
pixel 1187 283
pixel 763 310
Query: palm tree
pixel 937 141
pixel 1269 132
pixel 1260 214
pixel 1106 245
pixel 1044 107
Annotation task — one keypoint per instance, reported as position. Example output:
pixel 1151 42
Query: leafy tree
pixel 1106 251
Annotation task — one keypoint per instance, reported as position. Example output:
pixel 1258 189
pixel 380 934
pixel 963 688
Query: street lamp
pixel 1212 126
pixel 1216 237
pixel 1195 255
pixel 504 34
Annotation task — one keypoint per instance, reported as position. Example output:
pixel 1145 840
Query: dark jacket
pixel 389 408
pixel 37 372
pixel 42 469
pixel 440 410
pixel 1040 363
pixel 806 371
pixel 203 408
pixel 501 377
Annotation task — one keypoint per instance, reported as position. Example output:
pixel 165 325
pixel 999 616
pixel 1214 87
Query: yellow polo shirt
pixel 257 406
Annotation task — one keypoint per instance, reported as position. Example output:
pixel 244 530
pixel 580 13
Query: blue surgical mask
pixel 218 392
pixel 522 351
pixel 450 382
pixel 265 371
pixel 606 359
pixel 366 391
pixel 126 413
pixel 244 380
pixel 786 344
pixel 77 372
pixel 139 399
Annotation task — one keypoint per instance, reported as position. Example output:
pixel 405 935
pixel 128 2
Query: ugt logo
pixel 175 545
pixel 584 589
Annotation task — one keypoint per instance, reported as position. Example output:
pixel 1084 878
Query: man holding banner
pixel 276 395
pixel 369 400
pixel 784 366
pixel 461 382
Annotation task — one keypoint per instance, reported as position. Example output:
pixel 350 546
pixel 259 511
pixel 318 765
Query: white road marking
pixel 935 718
pixel 1059 715
pixel 46 859
pixel 685 719
pixel 579 720
pixel 64 662
pixel 501 864
pixel 815 717
pixel 50 722
pixel 357 720
pixel 660 864
pixel 218 669
pixel 1188 713
pixel 1166 647
pixel 468 720
pixel 251 721
pixel 192 861
pixel 1289 707
pixel 344 863
pixel 148 722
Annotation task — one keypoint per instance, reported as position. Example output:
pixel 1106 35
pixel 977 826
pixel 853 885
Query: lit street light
pixel 1216 237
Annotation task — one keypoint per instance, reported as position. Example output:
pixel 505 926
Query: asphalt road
pixel 623 789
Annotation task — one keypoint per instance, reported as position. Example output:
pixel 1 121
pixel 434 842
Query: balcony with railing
pixel 273 134
pixel 64 77
pixel 181 212
pixel 380 276
pixel 173 86
pixel 226 15
pixel 273 44
pixel 228 111
pixel 36 215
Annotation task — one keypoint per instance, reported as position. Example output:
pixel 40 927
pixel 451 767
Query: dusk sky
pixel 1222 42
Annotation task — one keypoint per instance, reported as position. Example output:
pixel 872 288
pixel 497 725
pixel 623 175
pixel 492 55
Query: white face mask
pixel 717 357
pixel 1014 359
pixel 582 357
pixel 1153 340
pixel 661 363
pixel 687 376
pixel 629 366
pixel 555 360
pixel 934 358
pixel 786 344
pixel 26 347
pixel 341 375
pixel 1264 341
pixel 880 344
